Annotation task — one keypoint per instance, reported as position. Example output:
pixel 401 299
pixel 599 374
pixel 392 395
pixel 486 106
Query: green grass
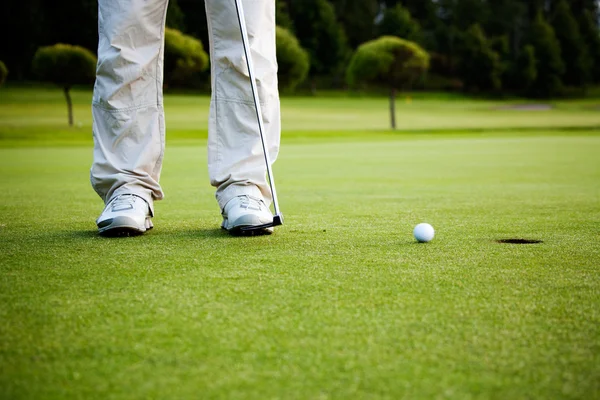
pixel 38 116
pixel 340 302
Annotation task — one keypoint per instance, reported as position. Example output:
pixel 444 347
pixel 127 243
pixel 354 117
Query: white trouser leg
pixel 127 108
pixel 235 159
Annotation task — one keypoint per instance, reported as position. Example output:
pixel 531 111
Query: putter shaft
pixel 250 65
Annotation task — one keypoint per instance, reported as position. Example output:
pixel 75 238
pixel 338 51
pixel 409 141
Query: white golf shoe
pixel 125 215
pixel 246 212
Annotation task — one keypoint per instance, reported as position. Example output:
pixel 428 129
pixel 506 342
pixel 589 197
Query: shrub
pixel 390 61
pixel 184 57
pixel 65 65
pixel 293 60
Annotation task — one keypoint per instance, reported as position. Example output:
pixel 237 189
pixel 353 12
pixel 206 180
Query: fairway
pixel 340 302
pixel 38 116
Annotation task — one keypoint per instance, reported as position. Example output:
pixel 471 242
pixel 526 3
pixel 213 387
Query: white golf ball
pixel 423 232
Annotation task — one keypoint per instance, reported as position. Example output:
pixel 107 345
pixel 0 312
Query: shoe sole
pixel 123 226
pixel 242 223
pixel 237 231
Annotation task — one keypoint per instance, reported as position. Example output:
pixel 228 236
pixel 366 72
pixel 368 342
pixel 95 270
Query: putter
pixel 277 217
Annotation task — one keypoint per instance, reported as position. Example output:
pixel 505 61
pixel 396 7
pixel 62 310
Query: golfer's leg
pixel 235 158
pixel 127 110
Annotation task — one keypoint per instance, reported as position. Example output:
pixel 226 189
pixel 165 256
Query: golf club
pixel 277 217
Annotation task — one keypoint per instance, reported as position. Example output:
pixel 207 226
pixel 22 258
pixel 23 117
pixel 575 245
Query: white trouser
pixel 127 108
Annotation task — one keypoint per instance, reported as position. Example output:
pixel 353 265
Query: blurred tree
pixel 425 13
pixel 549 64
pixel 194 14
pixel 443 24
pixel 42 23
pixel 447 39
pixel 509 19
pixel 321 35
pixel 65 65
pixel 447 33
pixel 501 46
pixel 390 61
pixel 503 14
pixel 467 13
pixel 580 7
pixel 292 59
pixel 184 57
pixel 175 16
pixel 282 16
pixel 479 66
pixel 574 51
pixel 68 21
pixel 523 72
pixel 3 73
pixel 534 7
pixel 456 16
pixel 462 14
pixel 397 21
pixel 590 34
pixel 357 18
pixel 21 30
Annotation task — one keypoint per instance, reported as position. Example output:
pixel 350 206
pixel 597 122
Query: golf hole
pixel 519 241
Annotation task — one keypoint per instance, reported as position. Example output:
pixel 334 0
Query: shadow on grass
pixel 84 234
pixel 211 233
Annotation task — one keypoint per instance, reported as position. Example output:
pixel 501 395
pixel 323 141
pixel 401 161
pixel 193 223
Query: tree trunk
pixel 393 108
pixel 66 90
pixel 313 86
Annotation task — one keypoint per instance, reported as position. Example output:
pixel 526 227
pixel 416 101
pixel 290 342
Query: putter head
pixel 277 220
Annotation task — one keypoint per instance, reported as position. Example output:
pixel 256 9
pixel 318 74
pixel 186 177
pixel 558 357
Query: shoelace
pixel 124 200
pixel 250 202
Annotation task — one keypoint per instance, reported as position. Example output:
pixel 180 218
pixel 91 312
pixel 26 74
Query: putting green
pixel 340 302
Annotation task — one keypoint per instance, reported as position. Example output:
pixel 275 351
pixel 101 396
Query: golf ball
pixel 423 232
